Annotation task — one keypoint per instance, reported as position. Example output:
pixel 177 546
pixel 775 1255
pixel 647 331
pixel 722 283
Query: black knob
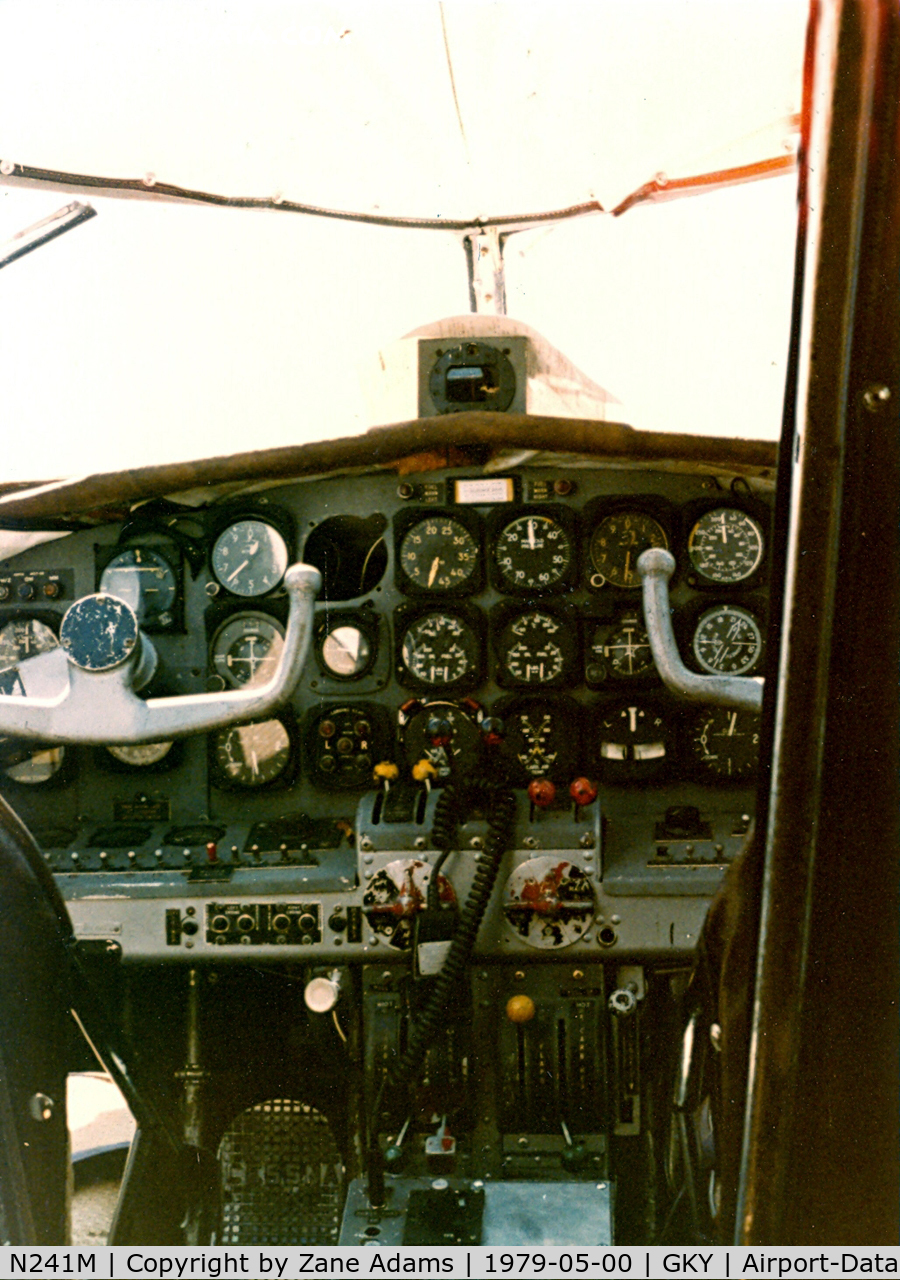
pixel 219 924
pixel 25 590
pixel 281 923
pixel 307 922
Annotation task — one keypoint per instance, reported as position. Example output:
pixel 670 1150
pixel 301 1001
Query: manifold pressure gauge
pixel 440 649
pixel 726 545
pixel 727 640
pixel 249 558
pixel 549 902
pixel 536 648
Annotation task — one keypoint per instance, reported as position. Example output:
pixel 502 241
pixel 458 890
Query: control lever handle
pixel 96 702
pixel 656 567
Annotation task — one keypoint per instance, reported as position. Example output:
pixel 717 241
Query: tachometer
pixel 726 545
pixel 439 649
pixel 535 648
pixel 617 543
pixel 533 553
pixel 727 640
pixel 249 558
pixel 439 554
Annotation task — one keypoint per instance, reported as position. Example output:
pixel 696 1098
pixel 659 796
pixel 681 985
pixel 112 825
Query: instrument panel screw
pixel 586 841
pixel 476 842
pixel 420 842
pixel 529 842
pixel 876 397
pixel 365 843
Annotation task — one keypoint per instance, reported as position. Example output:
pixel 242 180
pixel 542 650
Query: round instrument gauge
pixel 249 558
pixel 617 543
pixel 549 902
pixel 22 639
pixel 459 754
pixel 141 755
pixel 396 894
pixel 725 743
pixel 439 554
pixel 632 742
pixel 533 553
pixel 439 649
pixel 346 651
pixel 536 648
pixel 252 755
pixel 622 651
pixel 727 640
pixel 540 739
pixel 246 650
pixel 37 768
pixel 145 581
pixel 726 545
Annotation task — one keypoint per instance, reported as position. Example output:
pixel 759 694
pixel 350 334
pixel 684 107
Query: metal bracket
pixel 656 567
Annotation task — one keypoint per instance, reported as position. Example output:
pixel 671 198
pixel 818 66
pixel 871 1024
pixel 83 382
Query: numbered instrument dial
pixel 726 545
pixel 549 902
pixel 633 742
pixel 145 581
pixel 621 651
pixel 252 755
pixel 246 650
pixel 141 756
pixel 533 553
pixel 725 743
pixel 727 641
pixel 617 543
pixel 536 648
pixel 439 554
pixel 440 649
pixel 249 558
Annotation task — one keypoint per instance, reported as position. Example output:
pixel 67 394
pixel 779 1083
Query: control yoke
pixel 656 568
pixel 103 656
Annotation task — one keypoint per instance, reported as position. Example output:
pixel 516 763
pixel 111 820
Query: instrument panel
pixel 457 610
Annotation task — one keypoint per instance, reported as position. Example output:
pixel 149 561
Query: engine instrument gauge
pixel 617 543
pixel 533 553
pixel 725 743
pixel 535 648
pixel 726 545
pixel 727 640
pixel 141 755
pixel 145 581
pixel 252 755
pixel 622 651
pixel 346 650
pixel 22 639
pixel 249 558
pixel 396 894
pixel 439 649
pixel 246 650
pixel 459 754
pixel 549 902
pixel 632 742
pixel 439 554
pixel 540 739
pixel 37 768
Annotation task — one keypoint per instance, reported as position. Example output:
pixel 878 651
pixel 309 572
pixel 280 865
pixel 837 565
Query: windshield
pixel 163 331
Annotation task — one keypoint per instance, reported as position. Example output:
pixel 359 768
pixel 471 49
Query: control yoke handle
pixel 656 567
pixel 102 655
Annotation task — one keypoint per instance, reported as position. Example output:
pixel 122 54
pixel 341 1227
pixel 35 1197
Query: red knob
pixel 583 791
pixel 541 792
pixel 212 853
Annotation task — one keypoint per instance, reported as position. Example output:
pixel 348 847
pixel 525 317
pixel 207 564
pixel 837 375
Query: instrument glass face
pixel 249 558
pixel 252 755
pixel 439 649
pixel 439 554
pixel 726 545
pixel 145 581
pixel 140 755
pixel 22 639
pixel 536 648
pixel 346 652
pixel 456 756
pixel 37 768
pixel 725 743
pixel 618 542
pixel 727 641
pixel 548 902
pixel 541 740
pixel 533 553
pixel 246 650
pixel 624 651
pixel 633 742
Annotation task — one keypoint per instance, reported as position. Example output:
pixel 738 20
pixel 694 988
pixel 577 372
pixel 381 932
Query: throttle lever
pixel 106 651
pixel 656 567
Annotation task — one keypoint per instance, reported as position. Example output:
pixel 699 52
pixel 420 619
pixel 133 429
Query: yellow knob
pixel 387 770
pixel 520 1008
pixel 423 769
